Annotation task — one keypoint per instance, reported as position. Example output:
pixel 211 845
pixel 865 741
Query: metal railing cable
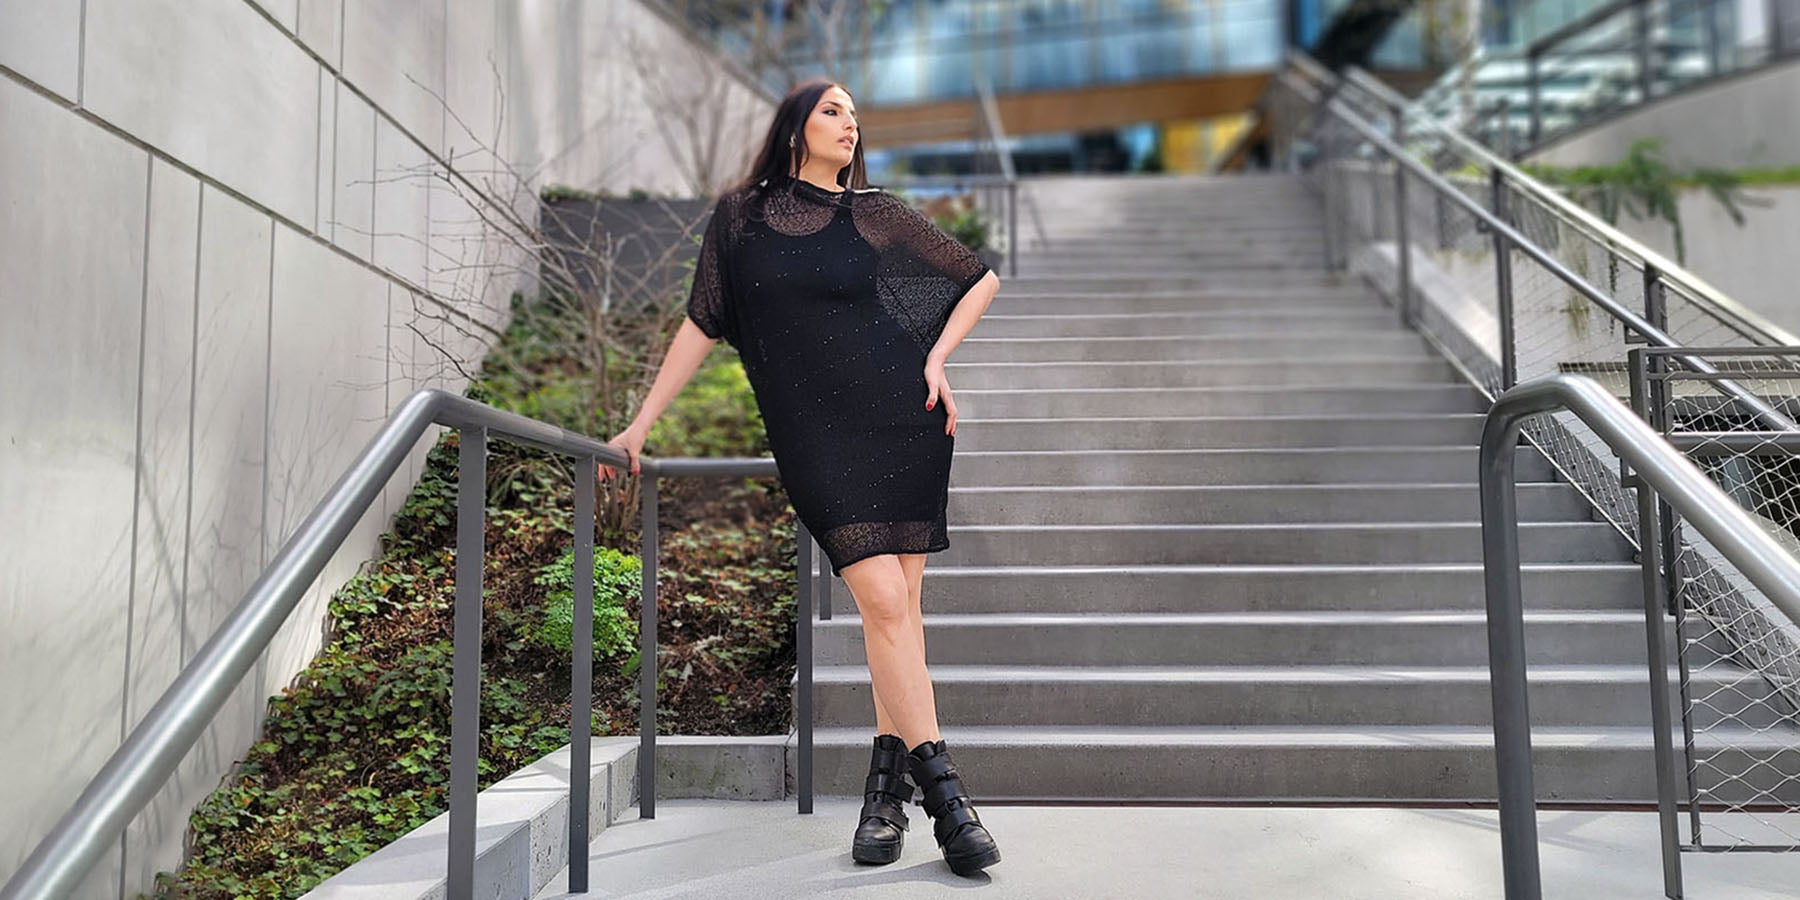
pixel 154 749
pixel 1766 564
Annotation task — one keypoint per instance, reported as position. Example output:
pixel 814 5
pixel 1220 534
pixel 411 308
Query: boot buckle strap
pixel 878 807
pixel 890 783
pixel 939 793
pixel 946 824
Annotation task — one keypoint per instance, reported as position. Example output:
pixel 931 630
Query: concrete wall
pixel 223 263
pixel 1747 121
pixel 1752 121
pixel 1754 263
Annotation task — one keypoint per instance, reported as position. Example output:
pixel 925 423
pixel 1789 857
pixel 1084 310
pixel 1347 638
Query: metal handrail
pixel 1518 241
pixel 150 755
pixel 1747 321
pixel 1679 483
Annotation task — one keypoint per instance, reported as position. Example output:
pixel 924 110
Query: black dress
pixel 833 300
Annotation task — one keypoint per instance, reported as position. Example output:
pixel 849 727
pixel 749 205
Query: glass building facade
pixel 919 51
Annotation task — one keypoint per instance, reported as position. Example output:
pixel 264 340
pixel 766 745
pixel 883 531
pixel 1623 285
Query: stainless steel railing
pixel 1502 274
pixel 1676 481
pixel 1514 241
pixel 1453 148
pixel 150 755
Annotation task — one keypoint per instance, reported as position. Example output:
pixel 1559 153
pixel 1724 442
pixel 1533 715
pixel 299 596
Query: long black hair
pixel 778 158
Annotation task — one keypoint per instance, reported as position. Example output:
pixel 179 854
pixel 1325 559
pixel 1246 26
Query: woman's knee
pixel 879 586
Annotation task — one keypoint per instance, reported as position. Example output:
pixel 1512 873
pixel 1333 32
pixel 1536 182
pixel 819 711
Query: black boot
pixel 885 795
pixel 967 846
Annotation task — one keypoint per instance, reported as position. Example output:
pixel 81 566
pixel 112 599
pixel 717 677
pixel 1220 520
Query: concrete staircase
pixel 1215 535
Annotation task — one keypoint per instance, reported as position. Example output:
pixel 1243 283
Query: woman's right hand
pixel 631 440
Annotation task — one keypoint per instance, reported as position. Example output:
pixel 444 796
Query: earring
pixel 790 140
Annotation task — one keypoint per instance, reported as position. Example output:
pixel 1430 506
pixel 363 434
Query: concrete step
pixel 1250 504
pixel 1291 695
pixel 1332 637
pixel 1307 465
pixel 1390 764
pixel 1159 255
pixel 1397 543
pixel 1123 281
pixel 1296 400
pixel 1186 346
pixel 1010 301
pixel 1221 433
pixel 1195 373
pixel 1234 587
pixel 1346 323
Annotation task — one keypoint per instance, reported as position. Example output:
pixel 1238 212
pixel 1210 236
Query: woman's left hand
pixel 940 387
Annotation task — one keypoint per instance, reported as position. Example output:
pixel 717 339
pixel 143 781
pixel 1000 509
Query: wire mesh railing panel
pixel 1738 656
pixel 1513 282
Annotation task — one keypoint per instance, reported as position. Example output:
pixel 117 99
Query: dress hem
pixel 836 569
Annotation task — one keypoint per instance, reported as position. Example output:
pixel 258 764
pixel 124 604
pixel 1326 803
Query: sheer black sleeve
pixel 710 300
pixel 924 272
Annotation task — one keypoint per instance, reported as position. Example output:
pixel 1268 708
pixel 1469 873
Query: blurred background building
pixel 1081 85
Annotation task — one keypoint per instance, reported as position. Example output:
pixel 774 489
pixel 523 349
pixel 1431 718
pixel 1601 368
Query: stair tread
pixel 852 620
pixel 1296 673
pixel 1391 736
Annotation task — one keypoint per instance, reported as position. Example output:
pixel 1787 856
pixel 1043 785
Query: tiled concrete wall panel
pixel 352 173
pixel 237 101
pixel 202 327
pixel 41 40
pixel 162 490
pixel 394 54
pixel 282 11
pixel 475 61
pixel 327 398
pixel 71 285
pixel 225 529
pixel 322 29
pixel 402 189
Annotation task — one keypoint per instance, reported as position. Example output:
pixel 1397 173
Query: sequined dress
pixel 832 300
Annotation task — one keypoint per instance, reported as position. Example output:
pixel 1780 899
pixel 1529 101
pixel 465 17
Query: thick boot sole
pixel 875 854
pixel 969 865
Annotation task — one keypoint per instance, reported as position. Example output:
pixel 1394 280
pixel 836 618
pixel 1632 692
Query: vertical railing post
pixel 1640 27
pixel 823 583
pixel 465 656
pixel 1328 198
pixel 1777 40
pixel 1504 146
pixel 1506 659
pixel 1503 294
pixel 1661 720
pixel 1710 20
pixel 1012 229
pixel 803 669
pixel 1536 130
pixel 581 677
pixel 1402 243
pixel 647 491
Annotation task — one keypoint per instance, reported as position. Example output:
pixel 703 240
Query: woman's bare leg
pixel 914 566
pixel 894 641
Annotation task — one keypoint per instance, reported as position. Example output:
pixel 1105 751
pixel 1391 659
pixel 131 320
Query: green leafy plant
pixel 1645 186
pixel 617 576
pixel 965 222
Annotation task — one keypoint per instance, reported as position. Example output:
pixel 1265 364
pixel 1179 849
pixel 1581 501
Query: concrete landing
pixel 724 849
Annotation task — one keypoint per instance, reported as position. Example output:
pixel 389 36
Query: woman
pixel 843 303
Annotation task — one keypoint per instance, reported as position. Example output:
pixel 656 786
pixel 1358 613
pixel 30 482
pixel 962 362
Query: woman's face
pixel 831 128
